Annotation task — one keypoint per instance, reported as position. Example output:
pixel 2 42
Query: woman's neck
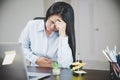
pixel 48 32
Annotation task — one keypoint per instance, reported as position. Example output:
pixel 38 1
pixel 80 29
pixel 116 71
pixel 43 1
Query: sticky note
pixel 9 57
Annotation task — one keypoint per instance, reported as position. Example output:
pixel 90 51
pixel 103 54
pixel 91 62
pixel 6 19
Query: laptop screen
pixel 12 66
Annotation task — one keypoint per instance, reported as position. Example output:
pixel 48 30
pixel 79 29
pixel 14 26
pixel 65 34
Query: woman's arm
pixel 26 44
pixel 65 58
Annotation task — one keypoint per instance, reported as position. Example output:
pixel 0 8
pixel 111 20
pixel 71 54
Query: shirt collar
pixel 53 33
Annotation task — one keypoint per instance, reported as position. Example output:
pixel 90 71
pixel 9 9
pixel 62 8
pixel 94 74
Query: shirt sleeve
pixel 25 40
pixel 65 58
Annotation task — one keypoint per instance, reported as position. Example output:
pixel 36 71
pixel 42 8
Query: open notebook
pixel 12 64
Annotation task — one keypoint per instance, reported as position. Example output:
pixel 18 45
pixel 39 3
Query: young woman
pixel 52 39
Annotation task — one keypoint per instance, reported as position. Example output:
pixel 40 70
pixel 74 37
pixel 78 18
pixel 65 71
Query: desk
pixel 66 74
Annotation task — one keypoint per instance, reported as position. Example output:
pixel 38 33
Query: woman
pixel 47 41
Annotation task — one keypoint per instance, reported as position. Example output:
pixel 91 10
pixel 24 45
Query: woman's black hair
pixel 66 12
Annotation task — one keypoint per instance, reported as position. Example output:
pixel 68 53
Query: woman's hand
pixel 44 62
pixel 61 26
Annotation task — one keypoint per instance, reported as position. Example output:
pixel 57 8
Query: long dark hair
pixel 66 12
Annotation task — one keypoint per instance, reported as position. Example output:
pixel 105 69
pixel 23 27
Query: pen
pixel 107 56
pixel 115 71
pixel 116 66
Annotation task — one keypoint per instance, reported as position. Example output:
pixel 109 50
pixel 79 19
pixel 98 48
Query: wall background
pixel 14 15
pixel 97 24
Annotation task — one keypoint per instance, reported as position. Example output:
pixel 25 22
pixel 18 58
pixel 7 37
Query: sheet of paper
pixel 9 57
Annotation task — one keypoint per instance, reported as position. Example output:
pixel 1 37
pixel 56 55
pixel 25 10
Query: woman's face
pixel 50 23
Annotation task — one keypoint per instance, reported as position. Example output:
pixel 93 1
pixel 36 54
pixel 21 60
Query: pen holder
pixel 114 75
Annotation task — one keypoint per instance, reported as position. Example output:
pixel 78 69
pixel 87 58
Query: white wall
pixel 97 25
pixel 14 14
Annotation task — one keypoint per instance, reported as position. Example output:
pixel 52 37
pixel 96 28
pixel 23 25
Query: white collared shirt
pixel 36 44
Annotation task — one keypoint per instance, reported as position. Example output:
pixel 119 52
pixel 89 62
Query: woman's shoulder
pixel 35 25
pixel 34 22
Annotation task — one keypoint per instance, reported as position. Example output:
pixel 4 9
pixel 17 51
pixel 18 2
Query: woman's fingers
pixel 44 62
pixel 48 60
pixel 61 26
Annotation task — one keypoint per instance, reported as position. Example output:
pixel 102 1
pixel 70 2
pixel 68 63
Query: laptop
pixel 12 64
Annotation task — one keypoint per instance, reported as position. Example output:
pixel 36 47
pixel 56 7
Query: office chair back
pixel 71 40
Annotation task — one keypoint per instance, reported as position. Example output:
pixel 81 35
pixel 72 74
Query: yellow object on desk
pixel 77 78
pixel 78 66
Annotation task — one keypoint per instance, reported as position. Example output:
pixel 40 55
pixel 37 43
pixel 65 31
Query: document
pixel 9 57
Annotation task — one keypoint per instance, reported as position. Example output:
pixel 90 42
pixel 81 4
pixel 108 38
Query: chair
pixel 72 42
pixel 39 18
